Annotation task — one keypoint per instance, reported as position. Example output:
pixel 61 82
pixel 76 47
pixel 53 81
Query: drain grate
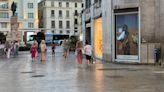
pixel 110 69
pixel 114 76
pixel 36 76
pixel 28 72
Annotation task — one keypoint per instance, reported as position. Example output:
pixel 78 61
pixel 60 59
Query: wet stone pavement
pixel 64 75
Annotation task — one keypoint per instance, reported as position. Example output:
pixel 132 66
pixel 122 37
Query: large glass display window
pixel 127 36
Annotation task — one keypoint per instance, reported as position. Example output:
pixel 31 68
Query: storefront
pixel 126 34
pixel 98 38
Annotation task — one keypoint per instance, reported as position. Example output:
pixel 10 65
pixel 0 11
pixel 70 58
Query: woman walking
pixel 43 50
pixel 66 47
pixel 33 51
pixel 79 48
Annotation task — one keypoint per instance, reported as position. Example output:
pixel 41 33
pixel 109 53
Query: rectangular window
pixel 76 21
pixel 52 3
pixel 67 24
pixel 68 31
pixel 67 4
pixel 88 3
pixel 76 28
pixel 67 14
pixel 3 25
pixel 52 24
pixel 76 13
pixel 30 5
pixel 3 5
pixel 76 5
pixel 95 1
pixel 61 31
pixel 60 4
pixel 82 5
pixel 30 25
pixel 60 24
pixel 30 15
pixel 60 13
pixel 52 13
pixel 4 15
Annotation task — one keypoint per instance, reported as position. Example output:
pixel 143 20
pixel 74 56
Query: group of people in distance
pixel 9 48
pixel 80 50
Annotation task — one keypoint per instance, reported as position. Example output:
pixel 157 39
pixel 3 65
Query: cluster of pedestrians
pixel 9 48
pixel 86 50
pixel 80 50
pixel 34 50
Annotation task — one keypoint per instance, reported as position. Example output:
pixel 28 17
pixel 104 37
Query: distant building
pixel 27 13
pixel 60 16
pixel 5 16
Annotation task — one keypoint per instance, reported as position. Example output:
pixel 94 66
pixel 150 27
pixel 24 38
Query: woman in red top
pixel 33 51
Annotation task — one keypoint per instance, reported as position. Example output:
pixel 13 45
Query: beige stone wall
pixel 161 5
pixel 125 3
pixel 147 21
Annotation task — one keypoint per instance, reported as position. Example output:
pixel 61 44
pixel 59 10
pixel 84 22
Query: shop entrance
pixel 88 34
pixel 98 38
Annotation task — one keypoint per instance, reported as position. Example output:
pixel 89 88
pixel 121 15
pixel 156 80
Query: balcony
pixel 87 14
pixel 97 11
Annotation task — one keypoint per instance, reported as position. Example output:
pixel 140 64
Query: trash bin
pixel 157 53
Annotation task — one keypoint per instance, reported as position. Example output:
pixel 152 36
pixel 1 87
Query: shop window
pixel 126 34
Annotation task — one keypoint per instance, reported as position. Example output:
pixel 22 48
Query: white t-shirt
pixel 88 50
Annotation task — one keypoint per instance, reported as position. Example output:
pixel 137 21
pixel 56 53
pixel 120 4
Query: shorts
pixel 88 57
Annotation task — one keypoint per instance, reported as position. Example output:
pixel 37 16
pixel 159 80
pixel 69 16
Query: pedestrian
pixel 79 54
pixel 15 48
pixel 36 43
pixel 8 49
pixel 33 51
pixel 43 50
pixel 65 47
pixel 53 47
pixel 88 52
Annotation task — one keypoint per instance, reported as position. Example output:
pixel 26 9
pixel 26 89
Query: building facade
pixel 60 16
pixel 26 12
pixel 124 30
pixel 5 16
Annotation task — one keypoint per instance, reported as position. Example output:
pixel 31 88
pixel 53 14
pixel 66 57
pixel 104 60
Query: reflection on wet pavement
pixel 65 75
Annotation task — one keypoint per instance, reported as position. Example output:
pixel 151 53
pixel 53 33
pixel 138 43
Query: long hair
pixel 78 44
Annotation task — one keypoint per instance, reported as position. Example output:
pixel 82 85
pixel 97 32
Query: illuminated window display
pixel 98 37
pixel 126 36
